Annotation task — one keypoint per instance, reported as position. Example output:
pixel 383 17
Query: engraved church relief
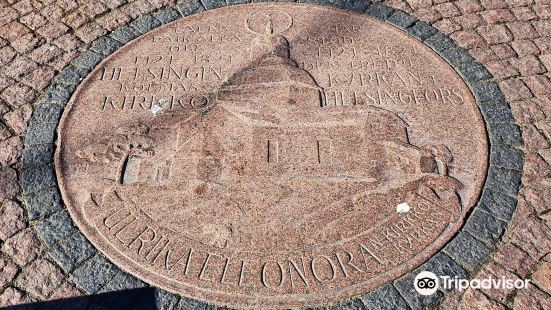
pixel 125 149
pixel 278 178
pixel 269 137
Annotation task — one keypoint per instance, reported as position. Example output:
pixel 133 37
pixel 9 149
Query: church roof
pixel 272 71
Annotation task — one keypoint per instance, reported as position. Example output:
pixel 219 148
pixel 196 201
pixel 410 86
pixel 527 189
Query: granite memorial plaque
pixel 273 155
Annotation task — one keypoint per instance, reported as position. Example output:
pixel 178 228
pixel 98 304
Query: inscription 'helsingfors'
pixel 254 155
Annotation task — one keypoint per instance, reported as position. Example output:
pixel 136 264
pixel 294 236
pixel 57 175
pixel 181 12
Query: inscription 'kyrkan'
pixel 253 156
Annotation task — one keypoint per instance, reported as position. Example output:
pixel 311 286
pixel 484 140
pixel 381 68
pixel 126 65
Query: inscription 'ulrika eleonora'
pixel 364 257
pixel 260 163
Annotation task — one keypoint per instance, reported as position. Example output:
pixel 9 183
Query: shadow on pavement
pixel 141 298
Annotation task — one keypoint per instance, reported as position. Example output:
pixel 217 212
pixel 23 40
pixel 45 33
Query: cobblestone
pixel 23 247
pixel 414 299
pixel 13 296
pixel 38 178
pixel 40 278
pixel 510 38
pixel 506 157
pixel 42 203
pixel 534 237
pixel 121 281
pixel 145 23
pixel 167 15
pixel 9 271
pixel 88 60
pixel 471 259
pixel 505 134
pixel 474 299
pixel 504 180
pixel 166 300
pixel 8 183
pixel 384 298
pixel 542 276
pixel 495 271
pixel 380 11
pixel 421 30
pixel 442 264
pixel 70 252
pixel 498 204
pixel 355 304
pixel 55 228
pixel 105 45
pixel 485 227
pixel 94 274
pixel 12 219
pixel 532 298
pixel 18 94
pixel 65 290
pixel 497 112
pixel 514 259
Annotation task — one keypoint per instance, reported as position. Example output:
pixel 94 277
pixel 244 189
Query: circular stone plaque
pixel 273 155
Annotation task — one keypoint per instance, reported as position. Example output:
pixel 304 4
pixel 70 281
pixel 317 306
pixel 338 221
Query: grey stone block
pixel 166 300
pixel 467 251
pixel 315 308
pixel 72 251
pixel 47 113
pixel 421 30
pixel 88 59
pixel 190 7
pixel 40 133
pixel 93 274
pixel 497 112
pixel 231 2
pixel 42 203
pixel 442 265
pixel 440 42
pixel 132 297
pixel 379 11
pixel 37 155
pixel 457 57
pixel 56 228
pixel 402 19
pixel 124 34
pixel 187 303
pixel 72 75
pixel 355 304
pixel 145 23
pixel 485 227
pixel 415 300
pixel 504 134
pixel 38 178
pixel 60 93
pixel 507 157
pixel 474 72
pixel 504 180
pixel 213 4
pixel 487 91
pixel 167 15
pixel 357 6
pixel 385 298
pixel 335 3
pixel 122 281
pixel 105 45
pixel 497 204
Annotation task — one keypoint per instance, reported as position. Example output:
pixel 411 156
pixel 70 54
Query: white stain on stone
pixel 402 208
pixel 155 109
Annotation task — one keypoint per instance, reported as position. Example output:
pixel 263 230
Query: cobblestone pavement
pixel 511 38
